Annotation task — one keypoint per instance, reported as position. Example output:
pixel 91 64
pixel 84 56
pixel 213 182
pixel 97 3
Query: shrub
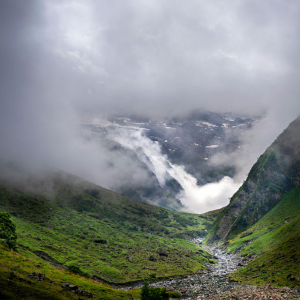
pixel 150 293
pixel 8 230
pixel 76 270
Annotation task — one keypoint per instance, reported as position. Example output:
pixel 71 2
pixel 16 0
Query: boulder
pixel 38 276
pixel 291 277
pixel 162 252
pixel 100 241
pixel 73 287
pixel 152 258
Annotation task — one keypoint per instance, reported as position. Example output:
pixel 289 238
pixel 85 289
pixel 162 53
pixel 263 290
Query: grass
pixel 66 226
pixel 109 261
pixel 275 239
pixel 15 283
pixel 280 266
pixel 272 229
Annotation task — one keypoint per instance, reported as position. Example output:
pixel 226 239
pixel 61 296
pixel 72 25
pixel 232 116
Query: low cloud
pixel 195 198
pixel 157 59
pixel 200 199
pixel 254 142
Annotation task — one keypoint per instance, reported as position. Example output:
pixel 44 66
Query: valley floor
pixel 215 283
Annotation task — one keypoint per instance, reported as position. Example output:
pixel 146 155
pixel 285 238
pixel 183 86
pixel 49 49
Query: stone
pixel 38 276
pixel 130 259
pixel 152 258
pixel 291 277
pixel 100 241
pixel 73 287
pixel 162 252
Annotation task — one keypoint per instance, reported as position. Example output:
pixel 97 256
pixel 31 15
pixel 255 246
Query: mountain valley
pixel 73 232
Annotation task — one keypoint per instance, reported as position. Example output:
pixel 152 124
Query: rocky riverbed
pixel 214 283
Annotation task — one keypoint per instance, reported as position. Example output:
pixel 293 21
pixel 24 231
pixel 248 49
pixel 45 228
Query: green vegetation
pixel 16 284
pixel 151 293
pixel 275 239
pixel 250 192
pixel 272 229
pixel 102 234
pixel 262 219
pixel 76 270
pixel 280 266
pixel 7 230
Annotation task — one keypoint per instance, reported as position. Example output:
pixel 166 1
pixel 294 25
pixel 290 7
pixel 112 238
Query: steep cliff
pixel 276 172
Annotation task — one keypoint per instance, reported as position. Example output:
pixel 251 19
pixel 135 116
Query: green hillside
pixel 275 173
pixel 279 266
pixel 262 219
pixel 107 235
pixel 27 278
pixel 272 229
pixel 275 240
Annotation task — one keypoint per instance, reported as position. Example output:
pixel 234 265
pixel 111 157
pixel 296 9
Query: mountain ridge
pixel 275 172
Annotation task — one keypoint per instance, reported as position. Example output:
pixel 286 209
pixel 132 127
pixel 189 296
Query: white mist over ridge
pixel 147 151
pixel 195 198
pixel 200 199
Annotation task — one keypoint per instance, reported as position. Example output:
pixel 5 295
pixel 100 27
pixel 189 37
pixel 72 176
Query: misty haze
pixel 146 140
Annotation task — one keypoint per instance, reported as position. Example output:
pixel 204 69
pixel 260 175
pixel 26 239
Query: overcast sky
pixel 154 57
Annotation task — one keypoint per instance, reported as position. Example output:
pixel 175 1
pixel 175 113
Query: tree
pixel 7 230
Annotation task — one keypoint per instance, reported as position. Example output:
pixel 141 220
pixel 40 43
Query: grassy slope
pixel 78 213
pixel 15 283
pixel 276 236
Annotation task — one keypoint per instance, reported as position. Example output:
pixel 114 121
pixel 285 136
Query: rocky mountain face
pixel 276 172
pixel 189 141
pixel 192 140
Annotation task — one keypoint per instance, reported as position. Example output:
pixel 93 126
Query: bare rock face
pixel 276 172
pixel 162 252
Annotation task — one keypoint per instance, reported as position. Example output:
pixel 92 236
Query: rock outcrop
pixel 275 172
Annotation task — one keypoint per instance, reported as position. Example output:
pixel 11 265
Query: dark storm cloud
pixel 172 57
pixel 157 58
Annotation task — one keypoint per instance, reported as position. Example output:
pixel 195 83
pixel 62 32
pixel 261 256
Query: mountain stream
pixel 214 283
pixel 208 282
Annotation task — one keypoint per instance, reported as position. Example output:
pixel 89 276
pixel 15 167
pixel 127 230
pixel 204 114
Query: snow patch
pixel 201 123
